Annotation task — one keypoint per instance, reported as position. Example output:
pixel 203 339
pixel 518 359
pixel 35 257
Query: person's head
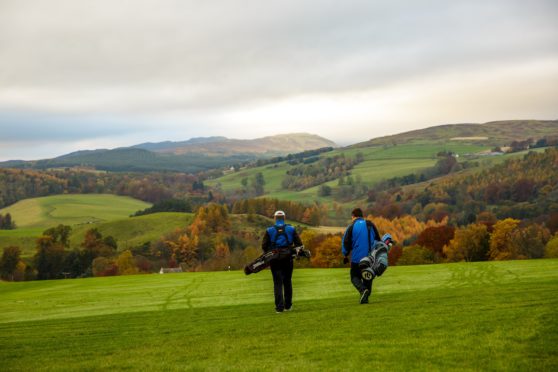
pixel 356 213
pixel 279 216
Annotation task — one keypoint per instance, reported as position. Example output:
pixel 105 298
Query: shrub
pixel 416 255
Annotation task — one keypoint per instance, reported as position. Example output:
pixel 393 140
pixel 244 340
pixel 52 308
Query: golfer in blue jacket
pixel 358 241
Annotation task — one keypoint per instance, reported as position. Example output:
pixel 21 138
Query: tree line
pixel 217 240
pixel 313 215
pixel 319 171
pixel 522 188
pixel 19 184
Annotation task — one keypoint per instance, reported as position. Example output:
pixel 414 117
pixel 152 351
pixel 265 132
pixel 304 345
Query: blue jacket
pixel 360 238
pixel 273 239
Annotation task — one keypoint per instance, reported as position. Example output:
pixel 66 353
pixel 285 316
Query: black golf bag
pixel 265 259
pixel 375 263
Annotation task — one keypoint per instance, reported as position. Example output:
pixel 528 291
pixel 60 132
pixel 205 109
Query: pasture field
pixel 72 209
pixel 128 232
pixel 81 211
pixel 135 231
pixel 380 162
pixel 464 316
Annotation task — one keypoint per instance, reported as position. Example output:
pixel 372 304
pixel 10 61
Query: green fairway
pixel 465 316
pixel 72 209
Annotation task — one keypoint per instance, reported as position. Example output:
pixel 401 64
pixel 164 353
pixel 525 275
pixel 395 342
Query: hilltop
pixel 277 145
pixel 495 133
pixel 195 155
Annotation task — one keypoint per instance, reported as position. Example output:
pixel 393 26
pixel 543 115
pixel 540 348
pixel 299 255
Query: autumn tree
pixel 403 228
pixel 470 243
pixel 6 222
pixel 95 245
pixel 435 238
pixel 258 184
pixel 528 242
pixel 394 254
pixel 49 258
pixel 551 248
pixel 9 261
pixel 501 240
pixel 60 234
pixel 416 255
pixel 312 216
pixel 126 263
pixel 328 253
pixel 103 266
pixel 221 257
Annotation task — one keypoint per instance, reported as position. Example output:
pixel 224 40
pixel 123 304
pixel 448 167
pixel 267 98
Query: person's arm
pixel 296 239
pixel 347 241
pixel 266 242
pixel 375 230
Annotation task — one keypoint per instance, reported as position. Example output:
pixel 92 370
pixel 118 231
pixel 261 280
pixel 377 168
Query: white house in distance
pixel 170 270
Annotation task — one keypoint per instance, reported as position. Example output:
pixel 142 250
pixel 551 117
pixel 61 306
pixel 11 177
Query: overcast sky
pixel 78 74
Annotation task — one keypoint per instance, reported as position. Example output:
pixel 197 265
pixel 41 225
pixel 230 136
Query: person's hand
pixel 345 260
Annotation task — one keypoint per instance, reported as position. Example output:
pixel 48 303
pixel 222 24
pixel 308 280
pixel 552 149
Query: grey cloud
pixel 189 54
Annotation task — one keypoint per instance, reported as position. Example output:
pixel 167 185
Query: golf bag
pixel 265 259
pixel 376 262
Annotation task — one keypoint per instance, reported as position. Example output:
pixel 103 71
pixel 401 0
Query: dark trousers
pixel 282 271
pixel 357 280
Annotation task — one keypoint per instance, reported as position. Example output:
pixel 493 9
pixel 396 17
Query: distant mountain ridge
pixel 277 145
pixel 194 155
pixel 166 145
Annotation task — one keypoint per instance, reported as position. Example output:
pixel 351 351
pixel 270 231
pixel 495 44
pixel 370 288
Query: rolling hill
pixel 82 212
pixel 277 145
pixel 399 155
pixel 72 209
pixel 191 156
pixel 496 133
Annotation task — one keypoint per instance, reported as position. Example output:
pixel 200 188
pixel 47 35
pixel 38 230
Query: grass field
pixel 81 211
pixel 466 316
pixel 135 231
pixel 129 232
pixel 380 162
pixel 72 209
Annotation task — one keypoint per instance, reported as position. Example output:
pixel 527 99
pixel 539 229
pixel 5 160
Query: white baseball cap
pixel 279 214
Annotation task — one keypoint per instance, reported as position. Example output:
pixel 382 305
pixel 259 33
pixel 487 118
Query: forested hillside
pixel 18 184
pixel 523 188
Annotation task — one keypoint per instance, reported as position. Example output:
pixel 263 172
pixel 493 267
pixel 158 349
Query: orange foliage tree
pixel 501 239
pixel 435 238
pixel 328 252
pixel 405 227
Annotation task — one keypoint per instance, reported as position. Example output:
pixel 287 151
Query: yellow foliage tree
pixel 501 247
pixel 470 243
pixel 126 263
pixel 551 249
